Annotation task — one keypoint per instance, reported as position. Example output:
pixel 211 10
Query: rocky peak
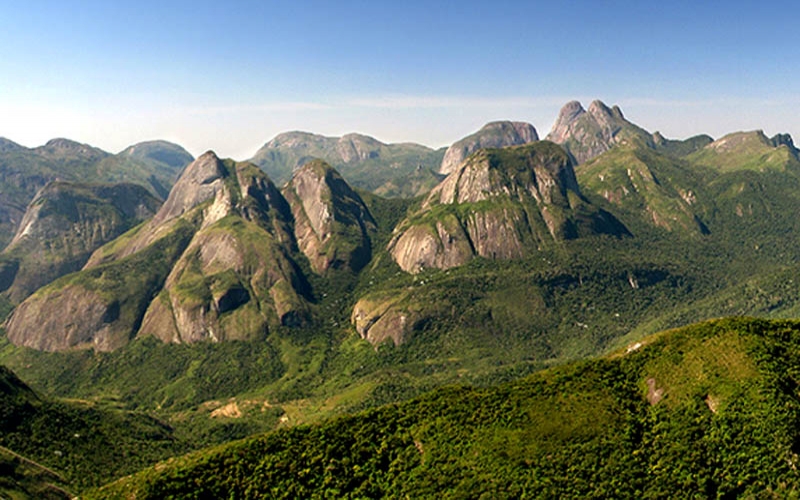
pixel 357 147
pixel 784 140
pixel 569 113
pixel 492 135
pixel 517 172
pixel 586 134
pixel 332 224
pixel 499 204
pixel 201 180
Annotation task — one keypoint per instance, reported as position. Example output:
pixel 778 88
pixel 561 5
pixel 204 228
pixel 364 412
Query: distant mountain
pixel 492 135
pixel 586 134
pixel 63 225
pixel 748 151
pixel 154 164
pixel 24 171
pixel 389 169
pixel 499 204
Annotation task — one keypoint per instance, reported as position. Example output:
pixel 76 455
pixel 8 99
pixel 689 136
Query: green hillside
pixel 72 444
pixel 710 410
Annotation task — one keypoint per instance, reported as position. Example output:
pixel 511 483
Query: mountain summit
pixel 492 135
pixel 587 134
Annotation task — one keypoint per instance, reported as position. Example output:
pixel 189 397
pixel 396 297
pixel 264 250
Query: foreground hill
pixel 388 169
pixel 47 447
pixel 710 410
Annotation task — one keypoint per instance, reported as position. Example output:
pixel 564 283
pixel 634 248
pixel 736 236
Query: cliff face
pixel 586 134
pixel 218 261
pixel 215 263
pixel 331 223
pixel 499 204
pixel 64 224
pixel 492 135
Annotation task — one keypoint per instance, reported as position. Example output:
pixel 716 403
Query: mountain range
pixel 290 288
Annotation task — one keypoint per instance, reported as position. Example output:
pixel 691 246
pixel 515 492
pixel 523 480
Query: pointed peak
pixel 599 109
pixel 570 111
pixel 208 155
pixel 317 166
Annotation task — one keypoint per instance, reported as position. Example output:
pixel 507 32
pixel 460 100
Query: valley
pixel 392 320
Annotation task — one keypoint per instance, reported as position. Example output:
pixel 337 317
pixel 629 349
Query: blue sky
pixel 231 75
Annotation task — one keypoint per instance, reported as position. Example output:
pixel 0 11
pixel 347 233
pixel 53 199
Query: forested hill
pixel 710 410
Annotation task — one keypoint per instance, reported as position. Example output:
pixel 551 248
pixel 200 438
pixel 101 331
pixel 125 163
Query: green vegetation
pixel 708 411
pixel 745 151
pixel 72 444
pixel 706 242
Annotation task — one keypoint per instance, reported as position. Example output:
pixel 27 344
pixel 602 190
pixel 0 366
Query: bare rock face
pixel 587 134
pixel 388 316
pixel 492 135
pixel 214 264
pixel 499 204
pixel 331 223
pixel 84 320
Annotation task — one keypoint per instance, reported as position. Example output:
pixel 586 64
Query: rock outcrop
pixel 492 135
pixel 499 204
pixel 331 223
pixel 587 134
pixel 215 263
pixel 220 260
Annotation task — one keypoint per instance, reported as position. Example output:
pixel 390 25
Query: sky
pixel 231 75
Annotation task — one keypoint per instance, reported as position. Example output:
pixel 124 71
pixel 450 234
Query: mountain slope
pixel 709 410
pixel 63 225
pixel 492 135
pixel 648 187
pixel 70 444
pixel 748 151
pixel 389 169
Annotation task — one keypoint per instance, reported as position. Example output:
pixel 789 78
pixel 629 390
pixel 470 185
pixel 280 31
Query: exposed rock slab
pixel 492 135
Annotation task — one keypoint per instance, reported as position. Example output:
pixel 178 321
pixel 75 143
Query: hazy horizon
pixel 230 77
